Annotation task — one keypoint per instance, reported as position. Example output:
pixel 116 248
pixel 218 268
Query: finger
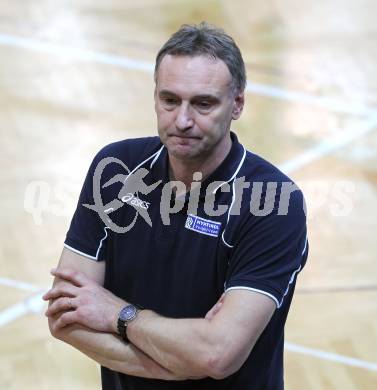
pixel 61 290
pixel 79 279
pixel 59 305
pixel 60 283
pixel 67 318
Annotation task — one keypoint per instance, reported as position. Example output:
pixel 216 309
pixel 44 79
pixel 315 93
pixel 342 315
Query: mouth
pixel 183 137
pixel 184 140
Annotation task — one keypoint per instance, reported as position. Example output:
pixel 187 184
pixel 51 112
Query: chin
pixel 181 154
pixel 181 149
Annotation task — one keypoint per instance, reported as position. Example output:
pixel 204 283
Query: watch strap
pixel 122 325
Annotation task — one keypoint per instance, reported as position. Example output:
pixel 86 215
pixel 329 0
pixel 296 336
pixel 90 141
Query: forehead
pixel 187 76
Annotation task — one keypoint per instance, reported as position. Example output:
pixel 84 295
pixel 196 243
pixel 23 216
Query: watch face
pixel 127 313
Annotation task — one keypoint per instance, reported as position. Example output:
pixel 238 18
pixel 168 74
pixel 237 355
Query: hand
pixel 77 299
pixel 215 309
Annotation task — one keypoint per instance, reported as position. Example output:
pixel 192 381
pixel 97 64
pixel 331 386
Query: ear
pixel 155 98
pixel 239 102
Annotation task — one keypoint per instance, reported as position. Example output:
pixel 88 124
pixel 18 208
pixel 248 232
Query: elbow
pixel 220 365
pixel 216 369
pixel 55 332
pixel 51 327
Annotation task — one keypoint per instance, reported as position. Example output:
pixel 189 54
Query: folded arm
pixel 111 352
pixel 105 348
pixel 214 346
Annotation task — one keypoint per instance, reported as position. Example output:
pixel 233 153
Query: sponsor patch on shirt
pixel 203 226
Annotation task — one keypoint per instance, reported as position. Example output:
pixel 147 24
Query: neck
pixel 183 170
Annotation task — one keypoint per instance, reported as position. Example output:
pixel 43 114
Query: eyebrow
pixel 205 96
pixel 166 92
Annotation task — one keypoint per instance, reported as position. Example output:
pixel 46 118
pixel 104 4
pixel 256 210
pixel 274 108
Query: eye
pixel 169 101
pixel 204 105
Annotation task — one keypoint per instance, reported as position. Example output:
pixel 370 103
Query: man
pixel 180 274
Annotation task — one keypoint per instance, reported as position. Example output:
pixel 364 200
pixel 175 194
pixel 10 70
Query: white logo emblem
pixel 202 225
pixel 133 200
pixel 189 222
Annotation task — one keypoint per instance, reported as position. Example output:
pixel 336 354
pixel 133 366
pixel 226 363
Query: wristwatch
pixel 126 315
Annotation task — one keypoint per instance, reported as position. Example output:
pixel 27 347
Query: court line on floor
pixel 329 103
pixel 337 141
pixel 18 284
pixel 332 104
pixel 338 289
pixel 33 304
pixel 334 357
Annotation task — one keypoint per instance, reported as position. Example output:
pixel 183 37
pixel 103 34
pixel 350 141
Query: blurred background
pixel 76 75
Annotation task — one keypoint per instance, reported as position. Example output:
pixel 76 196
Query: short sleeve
pixel 270 251
pixel 87 234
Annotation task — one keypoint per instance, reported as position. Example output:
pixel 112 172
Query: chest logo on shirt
pixel 133 200
pixel 203 226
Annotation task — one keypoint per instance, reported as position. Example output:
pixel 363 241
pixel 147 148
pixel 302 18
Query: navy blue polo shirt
pixel 179 265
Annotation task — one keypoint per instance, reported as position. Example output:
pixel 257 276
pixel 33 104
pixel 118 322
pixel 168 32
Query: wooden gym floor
pixel 76 75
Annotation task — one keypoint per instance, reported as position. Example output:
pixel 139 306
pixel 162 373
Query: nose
pixel 184 120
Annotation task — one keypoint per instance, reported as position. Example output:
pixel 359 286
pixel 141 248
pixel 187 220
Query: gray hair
pixel 205 39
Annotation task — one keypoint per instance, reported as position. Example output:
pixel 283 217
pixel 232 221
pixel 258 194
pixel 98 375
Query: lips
pixel 184 141
pixel 183 136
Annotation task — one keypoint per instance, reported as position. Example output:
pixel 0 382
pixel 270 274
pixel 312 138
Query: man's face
pixel 195 105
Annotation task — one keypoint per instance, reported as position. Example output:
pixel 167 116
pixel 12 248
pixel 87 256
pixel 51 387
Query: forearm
pixel 72 302
pixel 214 346
pixel 110 351
pixel 184 346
